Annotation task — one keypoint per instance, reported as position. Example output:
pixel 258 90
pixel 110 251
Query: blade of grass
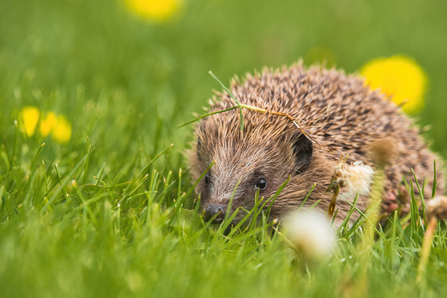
pixel 195 215
pixel 273 198
pixel 230 203
pixel 33 164
pixel 351 210
pixel 54 196
pixel 14 144
pixel 307 196
pixel 365 217
pixel 129 195
pixel 198 180
pixel 206 115
pixel 435 184
pixel 146 167
pixel 181 198
pixel 421 194
pixel 232 96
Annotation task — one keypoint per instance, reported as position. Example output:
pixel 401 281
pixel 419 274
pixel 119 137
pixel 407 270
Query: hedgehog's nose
pixel 212 210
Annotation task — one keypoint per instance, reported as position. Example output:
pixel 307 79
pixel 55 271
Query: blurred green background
pixel 124 81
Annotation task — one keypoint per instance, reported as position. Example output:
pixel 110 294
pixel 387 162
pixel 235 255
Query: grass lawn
pixel 105 208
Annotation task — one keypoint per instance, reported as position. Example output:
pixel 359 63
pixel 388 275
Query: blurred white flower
pixel 311 233
pixel 355 178
pixel 437 207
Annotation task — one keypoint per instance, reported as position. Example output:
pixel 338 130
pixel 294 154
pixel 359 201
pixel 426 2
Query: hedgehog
pixel 339 116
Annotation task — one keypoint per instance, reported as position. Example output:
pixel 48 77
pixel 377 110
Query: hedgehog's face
pixel 243 168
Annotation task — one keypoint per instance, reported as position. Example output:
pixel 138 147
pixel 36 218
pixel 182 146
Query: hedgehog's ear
pixel 303 150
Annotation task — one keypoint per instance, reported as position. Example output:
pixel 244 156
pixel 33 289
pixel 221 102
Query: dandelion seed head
pixel 382 152
pixel 356 178
pixel 311 233
pixel 438 207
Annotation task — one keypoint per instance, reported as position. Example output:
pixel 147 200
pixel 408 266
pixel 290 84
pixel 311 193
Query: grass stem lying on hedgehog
pixel 338 111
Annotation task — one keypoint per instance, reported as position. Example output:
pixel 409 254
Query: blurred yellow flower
pixel 58 126
pixel 157 10
pixel 29 117
pixel 61 132
pixel 400 77
pixel 47 124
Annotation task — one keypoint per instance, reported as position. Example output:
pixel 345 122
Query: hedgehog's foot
pixel 396 200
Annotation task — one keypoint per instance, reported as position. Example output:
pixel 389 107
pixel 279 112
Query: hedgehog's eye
pixel 261 183
pixel 207 179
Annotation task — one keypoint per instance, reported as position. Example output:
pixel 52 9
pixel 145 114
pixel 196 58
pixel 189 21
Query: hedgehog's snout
pixel 213 209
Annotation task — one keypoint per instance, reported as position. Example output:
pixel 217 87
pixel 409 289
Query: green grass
pixel 131 239
pixel 107 216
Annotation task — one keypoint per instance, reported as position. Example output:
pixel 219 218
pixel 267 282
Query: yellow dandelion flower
pixel 157 10
pixel 47 124
pixel 29 117
pixel 400 77
pixel 61 132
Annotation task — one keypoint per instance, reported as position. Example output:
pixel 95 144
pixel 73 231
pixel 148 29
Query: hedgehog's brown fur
pixel 337 110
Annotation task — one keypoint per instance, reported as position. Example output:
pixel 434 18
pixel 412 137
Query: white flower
pixel 437 207
pixel 356 178
pixel 311 233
